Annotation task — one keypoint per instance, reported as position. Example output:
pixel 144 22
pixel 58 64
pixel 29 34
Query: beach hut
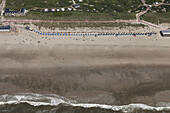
pixel 69 9
pixel 52 10
pixel 45 10
pixel 76 5
pixel 62 9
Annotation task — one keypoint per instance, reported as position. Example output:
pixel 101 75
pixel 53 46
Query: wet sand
pixel 106 74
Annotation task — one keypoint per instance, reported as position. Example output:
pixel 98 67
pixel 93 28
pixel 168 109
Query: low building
pixel 76 5
pixel 69 9
pixel 62 9
pixel 46 10
pixel 5 28
pixel 165 33
pixel 52 10
pixel 9 12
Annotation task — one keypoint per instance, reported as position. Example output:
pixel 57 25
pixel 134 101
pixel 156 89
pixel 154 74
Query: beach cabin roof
pixel 76 5
pixel 5 27
pixel 46 10
pixel 165 33
pixel 53 10
pixel 62 9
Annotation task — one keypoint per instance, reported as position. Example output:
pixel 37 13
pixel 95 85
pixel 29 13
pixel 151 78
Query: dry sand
pixel 110 70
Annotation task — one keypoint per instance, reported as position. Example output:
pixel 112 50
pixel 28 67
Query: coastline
pixel 104 70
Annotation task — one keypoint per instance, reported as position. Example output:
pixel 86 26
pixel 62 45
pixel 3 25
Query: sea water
pixel 38 103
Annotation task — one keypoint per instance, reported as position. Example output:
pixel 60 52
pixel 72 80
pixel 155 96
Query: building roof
pixel 76 5
pixel 23 10
pixel 5 27
pixel 10 11
pixel 7 9
pixel 165 31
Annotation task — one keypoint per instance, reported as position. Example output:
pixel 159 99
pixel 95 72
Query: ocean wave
pixel 55 100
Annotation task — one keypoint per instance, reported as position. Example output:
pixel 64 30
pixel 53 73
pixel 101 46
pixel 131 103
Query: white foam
pixel 55 100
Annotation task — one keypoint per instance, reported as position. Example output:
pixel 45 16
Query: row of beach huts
pixel 86 34
pixel 74 6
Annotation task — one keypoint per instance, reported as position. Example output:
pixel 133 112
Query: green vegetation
pixel 160 17
pixel 73 25
pixel 152 1
pixel 89 10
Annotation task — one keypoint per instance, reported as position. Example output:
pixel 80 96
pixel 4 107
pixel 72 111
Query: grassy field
pixel 160 17
pixel 73 25
pixel 89 10
pixel 152 1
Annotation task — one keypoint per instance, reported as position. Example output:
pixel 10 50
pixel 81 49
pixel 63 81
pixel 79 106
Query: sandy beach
pixel 102 69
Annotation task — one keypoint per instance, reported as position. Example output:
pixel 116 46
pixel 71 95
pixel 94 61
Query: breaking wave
pixel 54 103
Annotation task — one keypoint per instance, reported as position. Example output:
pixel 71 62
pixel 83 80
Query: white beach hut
pixel 52 10
pixel 46 10
pixel 69 9
pixel 62 9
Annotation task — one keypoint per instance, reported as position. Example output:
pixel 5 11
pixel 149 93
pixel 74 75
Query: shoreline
pixel 108 70
pixel 86 73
